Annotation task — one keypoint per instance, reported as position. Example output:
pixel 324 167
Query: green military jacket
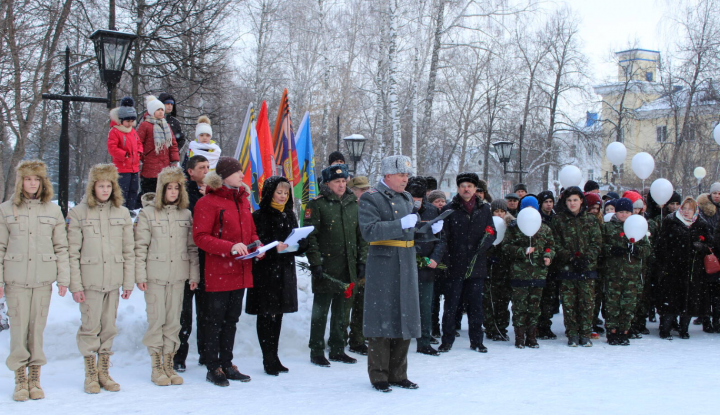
pixel 626 266
pixel 530 269
pixel 576 235
pixel 336 242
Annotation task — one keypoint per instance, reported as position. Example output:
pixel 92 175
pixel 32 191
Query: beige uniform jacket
pixel 165 252
pixel 101 248
pixel 33 245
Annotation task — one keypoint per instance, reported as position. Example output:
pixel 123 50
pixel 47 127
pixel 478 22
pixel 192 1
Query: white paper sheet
pixel 297 234
pixel 259 251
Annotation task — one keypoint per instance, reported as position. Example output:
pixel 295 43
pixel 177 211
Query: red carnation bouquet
pixel 489 230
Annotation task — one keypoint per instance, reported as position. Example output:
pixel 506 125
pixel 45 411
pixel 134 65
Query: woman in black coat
pixel 683 243
pixel 274 291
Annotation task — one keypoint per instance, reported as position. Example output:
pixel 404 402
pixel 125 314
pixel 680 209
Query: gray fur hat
pixel 396 165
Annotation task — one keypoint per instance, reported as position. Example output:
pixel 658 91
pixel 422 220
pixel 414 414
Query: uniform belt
pixel 392 242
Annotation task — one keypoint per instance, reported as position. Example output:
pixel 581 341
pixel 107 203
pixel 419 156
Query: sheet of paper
pixel 297 234
pixel 259 251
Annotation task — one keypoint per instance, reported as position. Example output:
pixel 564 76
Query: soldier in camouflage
pixel 496 297
pixel 550 304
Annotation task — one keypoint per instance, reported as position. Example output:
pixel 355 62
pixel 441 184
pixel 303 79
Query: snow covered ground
pixel 652 376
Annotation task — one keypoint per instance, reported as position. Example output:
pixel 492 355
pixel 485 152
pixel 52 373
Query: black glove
pixel 316 271
pixel 700 247
pixel 618 251
pixel 360 274
pixel 580 264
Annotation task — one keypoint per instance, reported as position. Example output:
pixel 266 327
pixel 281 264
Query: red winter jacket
pixel 222 218
pixel 124 147
pixel 154 162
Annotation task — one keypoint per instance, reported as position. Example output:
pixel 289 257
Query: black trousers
pixel 222 313
pixel 268 331
pixel 186 318
pixel 387 359
pixel 471 291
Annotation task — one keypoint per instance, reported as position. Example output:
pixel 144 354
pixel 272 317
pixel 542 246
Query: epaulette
pixel 372 191
pixel 319 197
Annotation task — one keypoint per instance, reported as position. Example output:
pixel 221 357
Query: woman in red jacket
pixel 125 149
pixel 223 227
pixel 158 142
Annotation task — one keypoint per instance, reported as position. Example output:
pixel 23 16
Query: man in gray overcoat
pixel 392 309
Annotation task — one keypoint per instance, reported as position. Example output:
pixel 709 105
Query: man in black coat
pixel 172 120
pixel 197 169
pixel 467 232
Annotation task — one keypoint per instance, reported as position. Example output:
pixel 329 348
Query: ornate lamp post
pixel 356 145
pixel 504 152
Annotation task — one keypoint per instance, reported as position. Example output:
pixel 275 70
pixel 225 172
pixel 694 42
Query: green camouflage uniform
pixel 528 272
pixel 578 242
pixel 496 297
pixel 646 298
pixel 623 274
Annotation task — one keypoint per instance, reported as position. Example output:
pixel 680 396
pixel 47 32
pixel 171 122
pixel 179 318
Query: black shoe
pixel 651 317
pixel 428 351
pixel 546 334
pixel 479 347
pixel 598 330
pixel 585 342
pixel 232 373
pixel 382 386
pixel 279 367
pixel 217 377
pixel 624 339
pixel 271 370
pixel 612 339
pixel 457 333
pixel 573 341
pixel 436 332
pixel 444 348
pixel 697 321
pixel 633 333
pixel 362 349
pixel 433 340
pixel 319 361
pixel 179 367
pixel 405 384
pixel 684 335
pixel 343 358
pixel 707 325
pixel 201 362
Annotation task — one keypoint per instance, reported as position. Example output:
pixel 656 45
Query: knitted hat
pixel 632 195
pixel 338 171
pixel 512 196
pixel 435 195
pixel 611 195
pixel 592 199
pixel 499 204
pixel 153 104
pixel 623 205
pixel 520 186
pixel 126 111
pixel 467 177
pixel 417 186
pixel 336 156
pixel 529 201
pixel 611 202
pixel 715 187
pixel 545 195
pixel 396 165
pixel 359 182
pixel 203 126
pixel 675 198
pixel 432 183
pixel 227 166
pixel 638 204
pixel 591 185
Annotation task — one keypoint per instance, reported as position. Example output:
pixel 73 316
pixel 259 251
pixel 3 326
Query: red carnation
pixel 622 234
pixel 702 238
pixel 349 290
pixel 632 240
pixel 577 254
pixel 547 250
pixel 489 230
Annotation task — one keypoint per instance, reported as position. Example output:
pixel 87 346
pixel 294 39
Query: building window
pixel 591 174
pixel 661 134
pixel 573 151
pixel 691 128
pixel 649 76
pixel 556 175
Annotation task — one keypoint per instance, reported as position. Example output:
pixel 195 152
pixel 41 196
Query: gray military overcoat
pixel 392 306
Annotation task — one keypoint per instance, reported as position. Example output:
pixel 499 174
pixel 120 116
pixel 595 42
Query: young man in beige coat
pixel 102 259
pixel 165 257
pixel 33 255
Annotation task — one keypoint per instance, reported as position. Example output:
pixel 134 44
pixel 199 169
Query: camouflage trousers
pixel 645 299
pixel 496 305
pixel 526 306
pixel 621 299
pixel 548 303
pixel 578 303
pixel 599 297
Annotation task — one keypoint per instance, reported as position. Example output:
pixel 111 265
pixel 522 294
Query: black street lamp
pixel 504 152
pixel 111 55
pixel 356 145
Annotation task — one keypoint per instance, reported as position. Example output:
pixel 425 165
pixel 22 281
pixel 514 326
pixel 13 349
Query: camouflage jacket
pixel 627 265
pixel 576 236
pixel 529 270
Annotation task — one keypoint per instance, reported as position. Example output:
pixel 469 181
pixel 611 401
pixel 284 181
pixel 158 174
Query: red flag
pixel 265 145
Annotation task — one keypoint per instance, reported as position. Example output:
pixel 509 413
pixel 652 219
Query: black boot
pixel 343 358
pixel 707 325
pixel 665 326
pixel 531 338
pixel 520 337
pixel 546 334
pixel 684 326
pixel 217 377
pixel 612 339
pixel 716 323
pixel 319 361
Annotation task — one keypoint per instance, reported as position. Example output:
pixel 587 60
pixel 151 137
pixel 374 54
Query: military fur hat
pixel 396 165
pixel 432 183
pixel 103 172
pixel 417 186
pixel 338 171
pixel 32 168
pixel 169 175
pixel 467 177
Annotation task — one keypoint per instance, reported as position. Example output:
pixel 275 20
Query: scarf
pixel 162 136
pixel 686 222
pixel 278 206
pixel 210 151
pixel 469 205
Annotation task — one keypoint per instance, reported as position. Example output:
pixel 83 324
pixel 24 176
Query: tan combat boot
pixel 175 379
pixel 36 391
pixel 158 371
pixel 21 393
pixel 104 374
pixel 91 375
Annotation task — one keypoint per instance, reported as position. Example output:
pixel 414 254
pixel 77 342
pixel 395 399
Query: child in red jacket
pixel 125 149
pixel 160 148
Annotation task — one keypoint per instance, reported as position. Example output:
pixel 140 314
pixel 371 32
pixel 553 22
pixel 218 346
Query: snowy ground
pixel 652 376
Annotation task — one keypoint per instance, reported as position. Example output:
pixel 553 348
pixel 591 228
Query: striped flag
pixel 305 189
pixel 255 169
pixel 284 142
pixel 242 151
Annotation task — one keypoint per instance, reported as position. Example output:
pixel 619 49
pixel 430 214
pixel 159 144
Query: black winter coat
pixel 462 233
pixel 682 280
pixel 430 250
pixel 274 279
pixel 174 123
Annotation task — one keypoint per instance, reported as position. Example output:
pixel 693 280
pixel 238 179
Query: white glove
pixel 437 226
pixel 408 221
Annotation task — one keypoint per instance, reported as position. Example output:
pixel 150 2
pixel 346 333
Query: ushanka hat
pixel 467 177
pixel 338 171
pixel 417 186
pixel 396 165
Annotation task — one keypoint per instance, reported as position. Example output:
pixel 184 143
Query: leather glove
pixel 316 271
pixel 437 226
pixel 360 271
pixel 408 221
pixel 618 251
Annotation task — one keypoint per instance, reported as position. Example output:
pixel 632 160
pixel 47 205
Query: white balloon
pixel 616 153
pixel 643 165
pixel 608 216
pixel 500 227
pixel 570 176
pixel 661 191
pixel 699 173
pixel 716 133
pixel 635 227
pixel 529 221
